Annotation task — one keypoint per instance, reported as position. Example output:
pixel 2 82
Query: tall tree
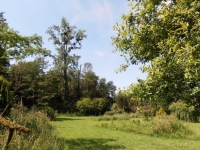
pixel 87 67
pixel 4 60
pixel 15 46
pixel 165 36
pixel 66 38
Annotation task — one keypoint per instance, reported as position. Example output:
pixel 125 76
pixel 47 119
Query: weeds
pixel 166 127
pixel 41 132
pixel 114 117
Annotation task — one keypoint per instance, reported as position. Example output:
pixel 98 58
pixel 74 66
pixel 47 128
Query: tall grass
pixel 41 134
pixel 165 127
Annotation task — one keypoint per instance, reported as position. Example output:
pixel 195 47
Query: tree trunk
pixel 66 88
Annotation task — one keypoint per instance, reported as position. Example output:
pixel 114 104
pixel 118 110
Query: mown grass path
pixel 82 133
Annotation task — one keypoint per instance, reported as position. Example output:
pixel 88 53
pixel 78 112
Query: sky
pixel 97 17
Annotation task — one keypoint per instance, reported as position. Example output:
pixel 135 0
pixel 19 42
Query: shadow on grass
pixel 66 119
pixel 92 144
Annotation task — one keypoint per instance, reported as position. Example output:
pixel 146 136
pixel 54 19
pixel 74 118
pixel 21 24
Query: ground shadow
pixel 65 119
pixel 92 144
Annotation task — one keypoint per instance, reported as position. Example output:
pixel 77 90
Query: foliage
pixel 164 36
pixel 5 96
pixel 95 106
pixel 4 60
pixel 110 113
pixel 123 101
pixel 161 112
pixel 25 78
pixel 48 111
pixel 182 111
pixel 65 38
pixel 89 84
pixel 113 117
pixel 17 46
pixel 41 134
pixel 163 127
pixel 93 86
pixel 171 128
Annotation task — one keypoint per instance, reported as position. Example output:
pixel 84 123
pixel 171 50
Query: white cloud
pixel 100 53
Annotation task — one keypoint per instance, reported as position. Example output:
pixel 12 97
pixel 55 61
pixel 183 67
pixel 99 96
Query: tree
pixel 107 89
pixel 87 67
pixel 50 92
pixel 25 78
pixel 66 38
pixel 15 46
pixel 164 35
pixel 123 101
pixel 89 84
pixel 4 60
pixel 5 96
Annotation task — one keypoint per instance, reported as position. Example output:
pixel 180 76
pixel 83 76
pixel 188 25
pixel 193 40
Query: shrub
pixel 95 106
pixel 110 113
pixel 160 113
pixel 114 117
pixel 170 128
pixel 182 111
pixel 48 111
pixel 115 108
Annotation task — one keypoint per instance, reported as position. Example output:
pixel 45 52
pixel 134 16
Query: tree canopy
pixel 164 36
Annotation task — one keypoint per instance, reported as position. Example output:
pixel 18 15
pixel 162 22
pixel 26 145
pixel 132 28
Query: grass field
pixel 84 133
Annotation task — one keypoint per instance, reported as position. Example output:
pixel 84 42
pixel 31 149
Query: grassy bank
pixel 83 133
pixel 41 136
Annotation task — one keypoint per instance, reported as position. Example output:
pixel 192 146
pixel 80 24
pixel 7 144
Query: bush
pixel 41 134
pixel 171 128
pixel 161 113
pixel 48 111
pixel 114 117
pixel 182 111
pixel 110 113
pixel 115 108
pixel 95 106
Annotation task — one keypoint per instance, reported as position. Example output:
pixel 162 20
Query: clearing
pixel 83 133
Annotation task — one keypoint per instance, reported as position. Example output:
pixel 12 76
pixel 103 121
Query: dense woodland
pixel 34 83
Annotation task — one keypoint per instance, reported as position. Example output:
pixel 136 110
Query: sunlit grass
pixel 83 133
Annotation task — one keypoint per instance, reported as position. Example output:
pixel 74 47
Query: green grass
pixel 84 133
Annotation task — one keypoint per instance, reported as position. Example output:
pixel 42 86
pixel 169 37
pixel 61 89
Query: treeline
pixel 34 83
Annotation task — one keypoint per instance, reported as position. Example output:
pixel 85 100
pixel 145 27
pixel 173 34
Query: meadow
pixel 106 133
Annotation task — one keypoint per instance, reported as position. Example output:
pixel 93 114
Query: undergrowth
pixel 114 117
pixel 165 127
pixel 41 132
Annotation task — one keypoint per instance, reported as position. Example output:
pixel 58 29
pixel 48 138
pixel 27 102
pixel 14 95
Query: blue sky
pixel 97 17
